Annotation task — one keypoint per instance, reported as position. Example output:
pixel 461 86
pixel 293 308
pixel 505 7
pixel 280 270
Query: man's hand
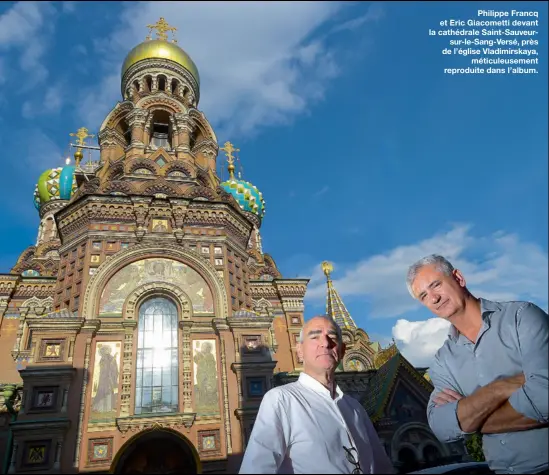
pixel 446 396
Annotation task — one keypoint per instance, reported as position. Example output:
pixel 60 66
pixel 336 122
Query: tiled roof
pixel 380 386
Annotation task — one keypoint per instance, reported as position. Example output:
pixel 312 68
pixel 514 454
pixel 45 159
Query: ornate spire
pixel 335 307
pixel 161 27
pixel 228 148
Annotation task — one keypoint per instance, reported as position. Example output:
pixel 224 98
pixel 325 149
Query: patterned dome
pixel 55 184
pixel 248 196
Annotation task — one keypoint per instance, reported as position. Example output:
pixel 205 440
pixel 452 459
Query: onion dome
pixel 247 195
pixel 160 48
pixel 55 184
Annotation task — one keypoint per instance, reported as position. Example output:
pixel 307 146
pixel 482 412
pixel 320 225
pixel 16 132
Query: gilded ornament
pixel 162 27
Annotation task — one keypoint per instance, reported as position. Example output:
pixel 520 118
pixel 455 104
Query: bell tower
pixel 157 129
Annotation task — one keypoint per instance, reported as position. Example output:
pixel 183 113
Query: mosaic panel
pixel 100 451
pixel 206 392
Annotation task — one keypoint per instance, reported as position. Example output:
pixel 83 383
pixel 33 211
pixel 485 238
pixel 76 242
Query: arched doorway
pixel 407 459
pixel 157 451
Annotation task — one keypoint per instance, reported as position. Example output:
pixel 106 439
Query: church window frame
pixel 157 357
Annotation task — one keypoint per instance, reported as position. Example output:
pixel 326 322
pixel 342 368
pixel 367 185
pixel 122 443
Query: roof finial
pixel 327 268
pixel 228 148
pixel 81 135
pixel 162 27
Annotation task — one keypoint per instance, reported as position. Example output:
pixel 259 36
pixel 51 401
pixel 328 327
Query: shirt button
pixel 502 442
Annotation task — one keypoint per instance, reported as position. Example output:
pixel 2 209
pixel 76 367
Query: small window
pixel 219 262
pixel 205 250
pixel 256 387
pixel 218 251
pixel 96 245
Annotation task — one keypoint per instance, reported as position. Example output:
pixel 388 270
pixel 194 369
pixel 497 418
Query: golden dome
pixel 160 49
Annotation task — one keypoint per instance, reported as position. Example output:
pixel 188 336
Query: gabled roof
pixel 382 383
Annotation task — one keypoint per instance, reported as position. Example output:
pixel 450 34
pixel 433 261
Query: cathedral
pixel 140 332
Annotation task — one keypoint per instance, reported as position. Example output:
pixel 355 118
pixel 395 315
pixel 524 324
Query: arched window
pixel 156 388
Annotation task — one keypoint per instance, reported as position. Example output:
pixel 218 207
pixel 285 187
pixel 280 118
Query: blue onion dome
pixel 55 184
pixel 247 195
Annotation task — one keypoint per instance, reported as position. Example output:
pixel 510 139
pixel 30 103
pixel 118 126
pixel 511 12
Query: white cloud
pixel 50 104
pixel 419 341
pixel 27 26
pixel 375 13
pixel 322 191
pixel 258 61
pixel 498 267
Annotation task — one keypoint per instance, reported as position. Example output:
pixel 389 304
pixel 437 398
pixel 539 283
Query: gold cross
pixel 327 268
pixel 82 134
pixel 162 27
pixel 229 149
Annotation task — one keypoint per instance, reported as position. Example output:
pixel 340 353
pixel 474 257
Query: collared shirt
pixel 513 339
pixel 300 429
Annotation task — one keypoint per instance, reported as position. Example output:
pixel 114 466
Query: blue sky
pixel 366 153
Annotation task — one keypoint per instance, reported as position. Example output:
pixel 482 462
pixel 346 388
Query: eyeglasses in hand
pixel 352 459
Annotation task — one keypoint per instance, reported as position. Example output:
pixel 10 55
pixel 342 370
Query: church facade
pixel 140 332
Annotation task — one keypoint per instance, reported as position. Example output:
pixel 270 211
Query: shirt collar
pixel 487 307
pixel 312 383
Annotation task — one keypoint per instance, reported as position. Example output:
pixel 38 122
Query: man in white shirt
pixel 310 426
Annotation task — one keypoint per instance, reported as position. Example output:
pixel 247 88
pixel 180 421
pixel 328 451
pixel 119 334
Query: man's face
pixel 320 350
pixel 443 294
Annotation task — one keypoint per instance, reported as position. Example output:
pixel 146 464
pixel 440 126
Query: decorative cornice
pixel 41 373
pixel 249 322
pixel 42 426
pixel 246 413
pixel 254 367
pixel 134 424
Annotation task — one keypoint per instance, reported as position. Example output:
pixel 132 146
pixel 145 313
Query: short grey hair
pixel 325 317
pixel 442 265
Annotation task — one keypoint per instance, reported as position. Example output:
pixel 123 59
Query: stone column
pixel 58 447
pixel 13 461
pixel 109 142
pixel 82 401
pixel 137 119
pixel 127 371
pixel 175 133
pixel 186 326
pixel 227 416
pixel 184 126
